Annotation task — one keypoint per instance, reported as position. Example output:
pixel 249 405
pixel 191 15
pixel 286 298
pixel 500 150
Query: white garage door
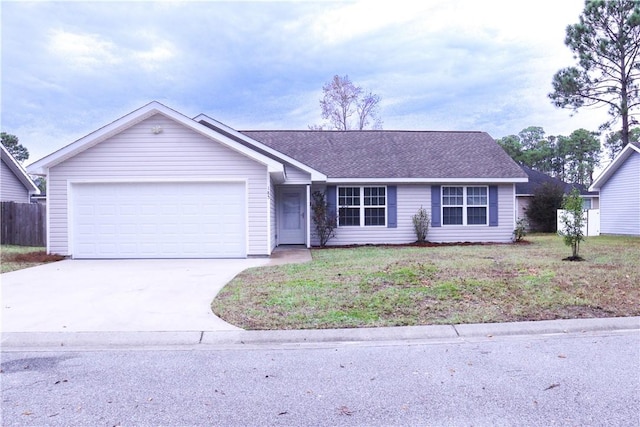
pixel 159 220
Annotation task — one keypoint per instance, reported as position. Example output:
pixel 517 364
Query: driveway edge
pixel 15 341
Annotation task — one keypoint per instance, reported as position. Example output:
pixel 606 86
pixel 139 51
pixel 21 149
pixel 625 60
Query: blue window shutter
pixel 332 200
pixel 493 206
pixel 435 206
pixel 392 206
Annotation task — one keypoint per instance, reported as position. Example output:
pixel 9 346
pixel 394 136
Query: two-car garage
pixel 188 219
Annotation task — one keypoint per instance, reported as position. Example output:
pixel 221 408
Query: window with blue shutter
pixel 493 206
pixel 435 206
pixel 330 194
pixel 365 206
pixel 464 205
pixel 392 205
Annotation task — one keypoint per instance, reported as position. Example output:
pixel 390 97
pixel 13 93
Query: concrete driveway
pixel 118 295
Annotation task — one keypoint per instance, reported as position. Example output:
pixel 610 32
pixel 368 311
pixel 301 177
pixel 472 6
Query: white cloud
pixel 86 51
pixel 345 22
pixel 89 52
pixel 454 64
pixel 155 56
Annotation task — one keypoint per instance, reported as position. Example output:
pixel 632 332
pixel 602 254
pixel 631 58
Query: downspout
pixel 48 214
pixel 308 216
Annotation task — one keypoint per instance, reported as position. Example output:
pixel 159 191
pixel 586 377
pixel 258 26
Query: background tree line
pixel 572 158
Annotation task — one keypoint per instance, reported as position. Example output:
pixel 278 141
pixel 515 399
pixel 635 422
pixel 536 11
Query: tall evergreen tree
pixel 614 143
pixel 13 146
pixel 584 155
pixel 606 43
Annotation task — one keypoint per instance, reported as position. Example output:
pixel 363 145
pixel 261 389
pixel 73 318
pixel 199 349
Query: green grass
pixel 14 258
pixel 390 286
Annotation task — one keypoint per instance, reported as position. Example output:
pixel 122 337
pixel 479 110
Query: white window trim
pixel 362 207
pixel 464 206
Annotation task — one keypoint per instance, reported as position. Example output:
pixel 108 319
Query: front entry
pixel 292 216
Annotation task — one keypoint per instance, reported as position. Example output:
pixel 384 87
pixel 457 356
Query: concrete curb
pixel 210 339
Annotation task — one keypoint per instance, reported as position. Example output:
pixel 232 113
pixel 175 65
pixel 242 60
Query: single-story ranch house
pixel 158 184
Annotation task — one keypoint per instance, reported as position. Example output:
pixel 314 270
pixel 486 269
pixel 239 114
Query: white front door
pixel 292 219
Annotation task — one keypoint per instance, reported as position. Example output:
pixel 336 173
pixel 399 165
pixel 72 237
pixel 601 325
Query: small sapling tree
pixel 572 221
pixel 324 220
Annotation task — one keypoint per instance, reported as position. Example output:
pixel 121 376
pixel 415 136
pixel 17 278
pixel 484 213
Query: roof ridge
pixel 361 131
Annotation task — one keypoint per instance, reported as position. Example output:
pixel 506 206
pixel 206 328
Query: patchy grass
pixel 410 285
pixel 18 257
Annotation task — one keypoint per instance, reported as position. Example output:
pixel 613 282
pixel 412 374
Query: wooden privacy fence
pixel 23 224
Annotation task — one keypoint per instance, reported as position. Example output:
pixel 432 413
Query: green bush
pixel 520 230
pixel 542 211
pixel 421 222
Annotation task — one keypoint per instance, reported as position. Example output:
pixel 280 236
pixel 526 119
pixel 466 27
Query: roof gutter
pixel 427 180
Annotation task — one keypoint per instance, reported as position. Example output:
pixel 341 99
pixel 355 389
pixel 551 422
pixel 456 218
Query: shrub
pixel 542 211
pixel 520 230
pixel 325 221
pixel 421 224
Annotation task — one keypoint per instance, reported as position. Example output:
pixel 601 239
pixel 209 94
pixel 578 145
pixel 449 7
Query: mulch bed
pixel 423 245
pixel 39 256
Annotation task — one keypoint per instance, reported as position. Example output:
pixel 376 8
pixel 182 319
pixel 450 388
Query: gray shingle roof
pixel 537 179
pixel 394 154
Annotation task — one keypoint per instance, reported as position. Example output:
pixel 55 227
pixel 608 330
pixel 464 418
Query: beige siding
pixel 297 176
pixel 410 198
pixel 11 188
pixel 413 196
pixel 620 200
pixel 175 153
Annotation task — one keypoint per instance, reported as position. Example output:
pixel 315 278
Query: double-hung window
pixel 465 205
pixel 362 206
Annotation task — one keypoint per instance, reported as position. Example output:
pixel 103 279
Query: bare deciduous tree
pixel 343 103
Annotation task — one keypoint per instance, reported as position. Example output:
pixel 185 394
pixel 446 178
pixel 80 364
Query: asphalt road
pixel 577 379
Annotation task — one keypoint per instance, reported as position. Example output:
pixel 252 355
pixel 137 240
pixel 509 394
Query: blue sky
pixel 69 67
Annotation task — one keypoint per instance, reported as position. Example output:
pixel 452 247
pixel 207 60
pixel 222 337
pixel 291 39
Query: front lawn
pixel 391 286
pixel 18 257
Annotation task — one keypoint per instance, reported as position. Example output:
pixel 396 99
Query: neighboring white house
pixel 15 184
pixel 158 184
pixel 619 187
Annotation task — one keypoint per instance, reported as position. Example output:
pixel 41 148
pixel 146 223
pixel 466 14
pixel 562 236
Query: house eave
pixel 19 172
pixel 41 166
pixel 315 175
pixel 427 180
pixel 613 167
